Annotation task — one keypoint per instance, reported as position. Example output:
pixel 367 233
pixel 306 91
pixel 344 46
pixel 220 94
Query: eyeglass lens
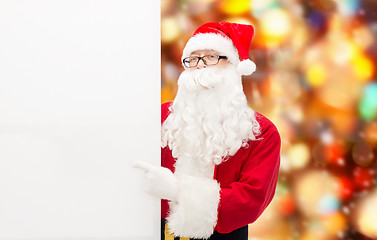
pixel 208 60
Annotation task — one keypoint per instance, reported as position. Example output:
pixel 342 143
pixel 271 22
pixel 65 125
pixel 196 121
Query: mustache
pixel 197 79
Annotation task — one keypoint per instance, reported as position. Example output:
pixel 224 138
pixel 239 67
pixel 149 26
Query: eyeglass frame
pixel 219 57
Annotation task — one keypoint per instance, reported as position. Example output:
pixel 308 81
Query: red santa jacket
pixel 247 183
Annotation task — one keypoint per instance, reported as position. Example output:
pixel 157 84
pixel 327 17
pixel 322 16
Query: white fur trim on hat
pixel 212 41
pixel 246 67
pixel 194 213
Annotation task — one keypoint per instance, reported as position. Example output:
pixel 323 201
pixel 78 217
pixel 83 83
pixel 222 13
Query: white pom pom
pixel 246 67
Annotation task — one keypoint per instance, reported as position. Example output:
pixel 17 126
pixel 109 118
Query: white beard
pixel 210 119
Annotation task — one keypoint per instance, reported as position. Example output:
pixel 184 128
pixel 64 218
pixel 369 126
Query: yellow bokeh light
pixel 299 155
pixel 170 29
pixel 366 218
pixel 347 52
pixel 316 75
pixel 235 7
pixel 367 224
pixel 334 223
pixel 275 22
pixel 275 25
pixel 309 193
pixel 362 66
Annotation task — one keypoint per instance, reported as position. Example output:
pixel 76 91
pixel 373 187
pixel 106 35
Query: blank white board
pixel 79 102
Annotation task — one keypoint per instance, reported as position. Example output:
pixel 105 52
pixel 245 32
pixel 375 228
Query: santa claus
pixel 220 159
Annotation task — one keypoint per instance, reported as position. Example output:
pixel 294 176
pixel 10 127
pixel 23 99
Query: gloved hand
pixel 160 181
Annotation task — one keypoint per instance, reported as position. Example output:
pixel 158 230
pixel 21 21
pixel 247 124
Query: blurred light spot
pixel 170 29
pixel 286 204
pixel 320 153
pixel 334 224
pixel 324 5
pixel 310 188
pixel 362 154
pixel 363 36
pixel 328 204
pixel 259 7
pixel 171 72
pixel 345 188
pixel 368 103
pixel 316 74
pixel 370 133
pixel 284 163
pixel 299 155
pixel 348 7
pixel 362 66
pixel 235 7
pixel 198 6
pixel 317 20
pixel 366 218
pixel 363 178
pixel 340 91
pixel 275 25
pixel 333 153
pixel 326 137
pixel 342 51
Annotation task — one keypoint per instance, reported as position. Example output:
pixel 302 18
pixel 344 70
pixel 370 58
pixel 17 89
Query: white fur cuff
pixel 194 213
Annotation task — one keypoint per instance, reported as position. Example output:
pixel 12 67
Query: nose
pixel 200 64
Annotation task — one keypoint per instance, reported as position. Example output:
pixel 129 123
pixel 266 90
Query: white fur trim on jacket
pixel 212 41
pixel 194 212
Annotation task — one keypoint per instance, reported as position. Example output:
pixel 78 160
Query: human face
pixel 199 53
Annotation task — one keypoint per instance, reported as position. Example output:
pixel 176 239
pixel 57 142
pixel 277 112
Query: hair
pixel 209 119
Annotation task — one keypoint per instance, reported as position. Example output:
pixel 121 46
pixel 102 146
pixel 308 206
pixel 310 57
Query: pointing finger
pixel 143 166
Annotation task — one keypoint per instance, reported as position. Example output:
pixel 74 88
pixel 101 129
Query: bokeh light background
pixel 316 80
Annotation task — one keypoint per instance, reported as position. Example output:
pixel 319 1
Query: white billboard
pixel 79 102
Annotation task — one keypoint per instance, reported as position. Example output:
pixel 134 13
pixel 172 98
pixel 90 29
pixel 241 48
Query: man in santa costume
pixel 220 159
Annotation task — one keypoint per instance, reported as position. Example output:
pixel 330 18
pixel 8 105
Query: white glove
pixel 160 181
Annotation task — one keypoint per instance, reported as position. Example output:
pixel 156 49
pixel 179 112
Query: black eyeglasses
pixel 208 60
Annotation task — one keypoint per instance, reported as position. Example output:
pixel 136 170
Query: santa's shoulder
pixel 266 125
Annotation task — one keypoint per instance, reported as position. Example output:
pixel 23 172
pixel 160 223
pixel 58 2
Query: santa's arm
pixel 246 199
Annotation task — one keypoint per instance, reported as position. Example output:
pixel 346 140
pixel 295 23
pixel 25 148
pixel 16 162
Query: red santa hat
pixel 229 39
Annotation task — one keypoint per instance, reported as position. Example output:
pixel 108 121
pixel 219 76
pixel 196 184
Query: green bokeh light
pixel 368 103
